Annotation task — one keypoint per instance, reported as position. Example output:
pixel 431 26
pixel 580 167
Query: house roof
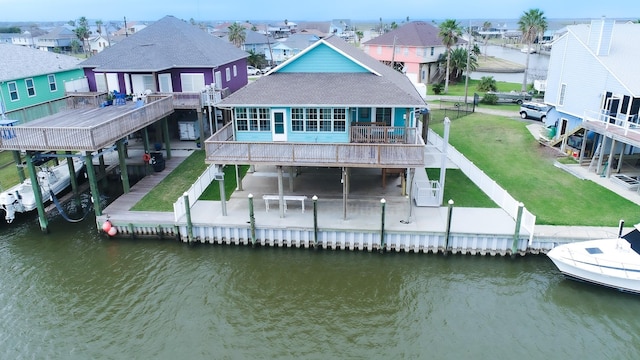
pixel 165 44
pixel 380 86
pixel 297 41
pixel 19 62
pixel 415 33
pixel 623 54
pixel 60 32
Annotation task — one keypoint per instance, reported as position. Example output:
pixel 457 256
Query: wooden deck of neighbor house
pixel 84 127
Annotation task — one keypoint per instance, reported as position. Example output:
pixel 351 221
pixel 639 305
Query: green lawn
pixel 506 152
pixel 461 190
pixel 162 197
pixel 457 89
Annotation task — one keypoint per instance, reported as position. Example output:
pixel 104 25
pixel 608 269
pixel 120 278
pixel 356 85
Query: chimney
pixel 600 35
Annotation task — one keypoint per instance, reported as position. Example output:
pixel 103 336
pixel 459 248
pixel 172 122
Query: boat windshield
pixel 634 239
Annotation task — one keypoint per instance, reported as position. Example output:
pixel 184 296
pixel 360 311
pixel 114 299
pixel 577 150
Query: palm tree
pixel 485 27
pixel 450 32
pixel 82 33
pixel 459 61
pixel 531 23
pixel 237 34
pixel 359 35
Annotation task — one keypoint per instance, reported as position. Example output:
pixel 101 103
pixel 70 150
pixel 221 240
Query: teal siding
pixel 253 136
pixel 323 58
pixel 43 93
pixel 321 137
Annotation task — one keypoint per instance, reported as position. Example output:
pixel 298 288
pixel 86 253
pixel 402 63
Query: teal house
pixel 331 105
pixel 31 80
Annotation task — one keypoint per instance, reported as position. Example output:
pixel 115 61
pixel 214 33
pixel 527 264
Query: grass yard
pixel 457 89
pixel 461 190
pixel 506 151
pixel 162 197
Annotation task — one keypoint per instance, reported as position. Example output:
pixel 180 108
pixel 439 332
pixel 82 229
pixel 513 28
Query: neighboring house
pixel 416 46
pixel 29 77
pixel 329 106
pixel 129 28
pixel 284 49
pixel 24 39
pixel 167 56
pixel 5 38
pixel 318 28
pixel 97 43
pixel 255 41
pixel 594 84
pixel 58 39
pixel 340 27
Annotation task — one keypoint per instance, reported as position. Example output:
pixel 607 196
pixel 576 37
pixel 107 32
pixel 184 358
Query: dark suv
pixel 531 110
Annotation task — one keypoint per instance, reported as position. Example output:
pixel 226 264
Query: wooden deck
pixel 622 130
pixel 86 128
pixel 222 149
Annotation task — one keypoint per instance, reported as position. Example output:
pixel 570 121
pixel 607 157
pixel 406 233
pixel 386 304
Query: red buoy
pixel 106 226
pixel 113 231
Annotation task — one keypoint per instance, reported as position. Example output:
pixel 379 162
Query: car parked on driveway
pixel 252 71
pixel 536 111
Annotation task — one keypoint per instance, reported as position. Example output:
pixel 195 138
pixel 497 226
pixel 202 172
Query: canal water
pixel 75 294
pixel 538 64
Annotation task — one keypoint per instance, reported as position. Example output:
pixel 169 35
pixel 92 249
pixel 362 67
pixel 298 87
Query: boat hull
pixel 610 263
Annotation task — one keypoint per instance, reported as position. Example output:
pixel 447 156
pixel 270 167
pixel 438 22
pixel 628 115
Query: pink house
pixel 415 47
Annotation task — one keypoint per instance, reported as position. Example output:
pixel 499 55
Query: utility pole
pixel 466 78
pixel 126 31
pixel 393 53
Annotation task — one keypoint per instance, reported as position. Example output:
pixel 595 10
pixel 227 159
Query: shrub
pixel 490 99
pixel 487 83
pixel 437 88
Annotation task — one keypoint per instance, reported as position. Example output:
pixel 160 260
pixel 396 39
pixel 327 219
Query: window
pixel 312 120
pixel 228 74
pixel 52 83
pixel 323 119
pixel 235 71
pixel 339 120
pixel 418 51
pixel 431 51
pixel 31 89
pixel 383 115
pixel 13 91
pixel 297 119
pixel 379 50
pixel 563 89
pixel 254 119
pixel 406 51
pixel 191 82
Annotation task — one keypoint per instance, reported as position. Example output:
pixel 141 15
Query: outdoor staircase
pixel 560 139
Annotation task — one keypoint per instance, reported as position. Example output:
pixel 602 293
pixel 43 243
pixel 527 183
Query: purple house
pixel 169 55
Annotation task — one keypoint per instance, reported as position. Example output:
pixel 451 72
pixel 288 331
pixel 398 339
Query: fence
pixel 487 185
pixel 194 192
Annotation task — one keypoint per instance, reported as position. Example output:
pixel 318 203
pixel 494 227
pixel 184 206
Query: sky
pixel 309 10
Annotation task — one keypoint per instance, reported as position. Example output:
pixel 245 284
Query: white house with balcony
pixel 593 83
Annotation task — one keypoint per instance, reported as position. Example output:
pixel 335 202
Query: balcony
pixel 406 150
pixel 625 128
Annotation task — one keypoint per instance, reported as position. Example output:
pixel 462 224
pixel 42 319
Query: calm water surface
pixel 538 64
pixel 73 294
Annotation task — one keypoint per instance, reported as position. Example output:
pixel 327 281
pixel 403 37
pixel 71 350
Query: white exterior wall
pixel 586 78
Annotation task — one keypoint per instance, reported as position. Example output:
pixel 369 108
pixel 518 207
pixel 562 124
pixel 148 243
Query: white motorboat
pixel 20 198
pixel 613 263
pixel 527 49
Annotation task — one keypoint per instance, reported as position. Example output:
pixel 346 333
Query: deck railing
pixel 629 124
pixel 91 138
pixel 372 134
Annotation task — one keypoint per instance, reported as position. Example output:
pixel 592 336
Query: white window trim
pixel 55 83
pixel 15 84
pixel 235 71
pixel 562 94
pixel 33 86
pixel 228 74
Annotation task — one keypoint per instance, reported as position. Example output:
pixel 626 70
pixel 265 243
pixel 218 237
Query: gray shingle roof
pixel 165 44
pixel 19 62
pixel 391 88
pixel 415 33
